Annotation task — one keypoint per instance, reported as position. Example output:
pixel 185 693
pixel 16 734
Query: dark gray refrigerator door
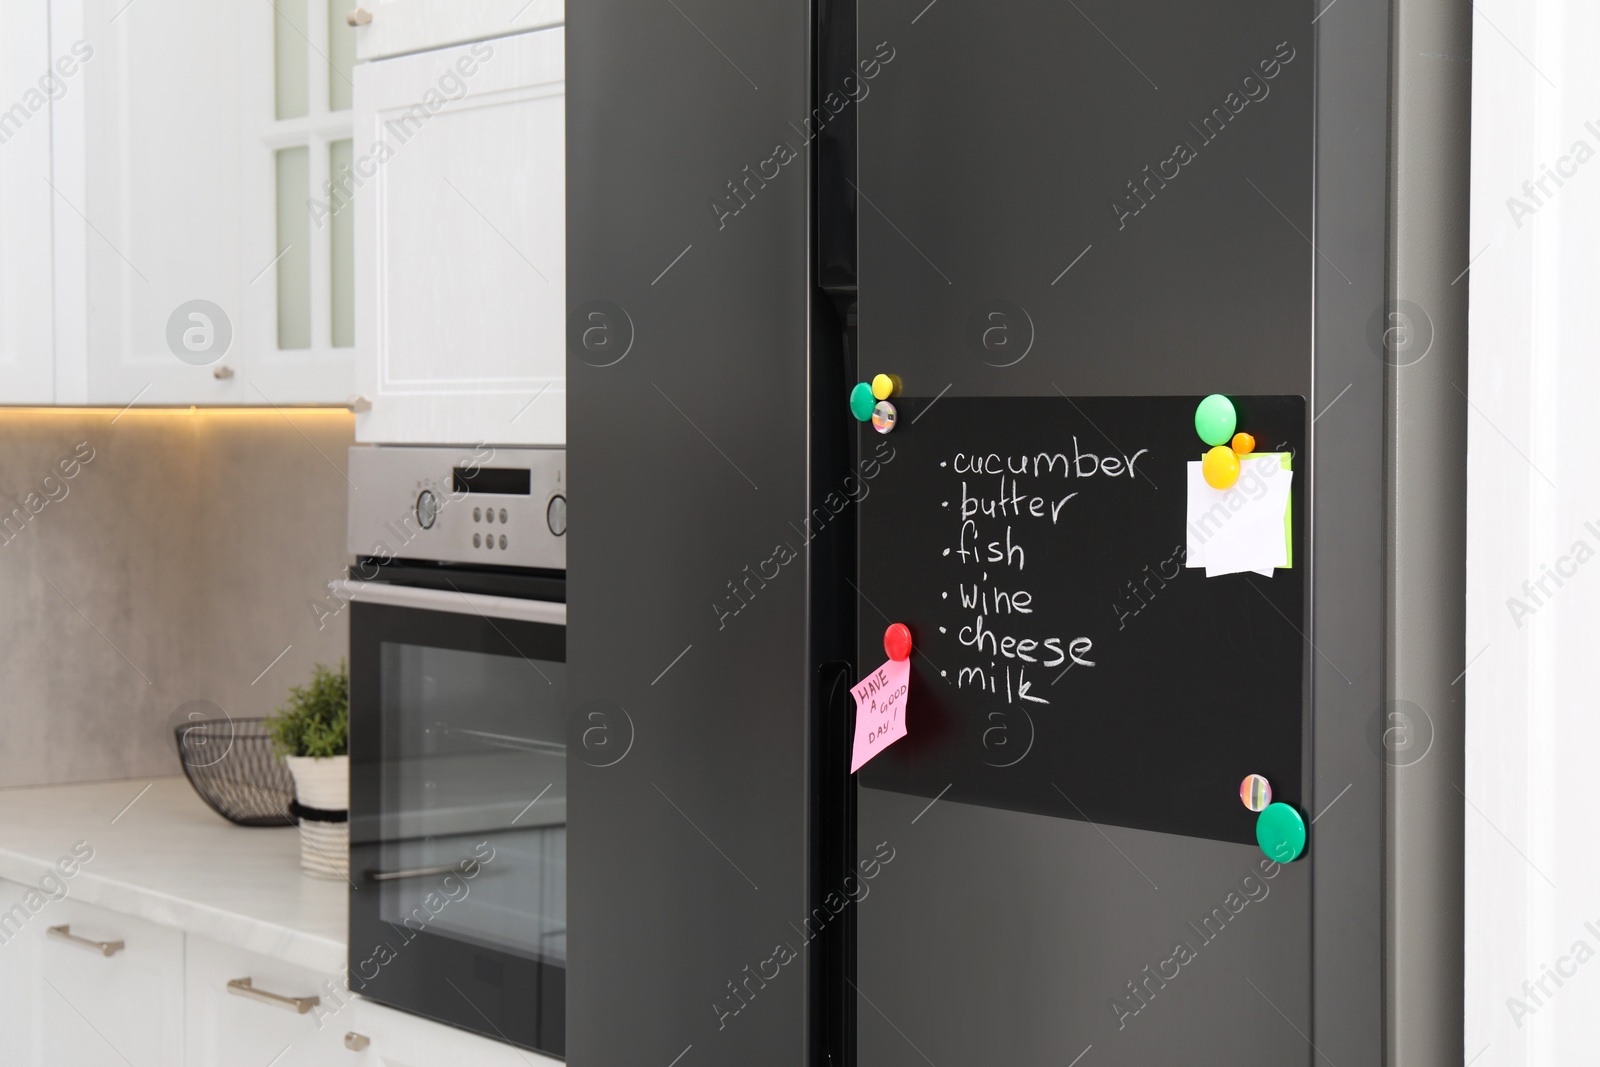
pixel 690 455
pixel 1100 199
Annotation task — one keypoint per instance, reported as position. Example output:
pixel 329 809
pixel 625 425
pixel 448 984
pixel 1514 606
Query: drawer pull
pixel 244 987
pixel 356 1042
pixel 105 948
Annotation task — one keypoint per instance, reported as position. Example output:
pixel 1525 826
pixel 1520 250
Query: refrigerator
pixel 1054 230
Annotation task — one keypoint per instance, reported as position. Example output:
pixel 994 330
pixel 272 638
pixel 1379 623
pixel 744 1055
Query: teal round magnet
pixel 1215 420
pixel 862 402
pixel 1281 832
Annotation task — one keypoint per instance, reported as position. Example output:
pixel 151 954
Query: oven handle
pixel 492 607
pixel 412 872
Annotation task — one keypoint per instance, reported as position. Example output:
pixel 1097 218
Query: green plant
pixel 315 721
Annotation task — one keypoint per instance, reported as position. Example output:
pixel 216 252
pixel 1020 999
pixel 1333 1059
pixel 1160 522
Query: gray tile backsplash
pixel 163 557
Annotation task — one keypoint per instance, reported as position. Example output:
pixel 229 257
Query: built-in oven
pixel 458 738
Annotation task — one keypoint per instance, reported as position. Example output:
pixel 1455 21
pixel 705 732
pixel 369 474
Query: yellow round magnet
pixel 882 387
pixel 1243 444
pixel 1220 467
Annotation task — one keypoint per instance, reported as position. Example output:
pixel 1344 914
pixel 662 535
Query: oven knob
pixel 556 515
pixel 427 508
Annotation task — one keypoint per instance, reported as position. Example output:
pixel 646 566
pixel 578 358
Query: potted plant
pixel 311 732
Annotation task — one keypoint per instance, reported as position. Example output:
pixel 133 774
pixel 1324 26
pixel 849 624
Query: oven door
pixel 458 809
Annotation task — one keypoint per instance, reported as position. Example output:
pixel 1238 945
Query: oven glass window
pixel 474 807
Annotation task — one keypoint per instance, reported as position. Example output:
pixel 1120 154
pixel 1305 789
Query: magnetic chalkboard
pixel 1149 690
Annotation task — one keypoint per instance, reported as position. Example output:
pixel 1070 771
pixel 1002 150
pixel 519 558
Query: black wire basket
pixel 231 764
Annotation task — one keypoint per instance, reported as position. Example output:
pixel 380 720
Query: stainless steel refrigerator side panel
pixel 1348 514
pixel 689 287
pixel 1427 435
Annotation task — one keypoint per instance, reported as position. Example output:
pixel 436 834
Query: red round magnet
pixel 897 641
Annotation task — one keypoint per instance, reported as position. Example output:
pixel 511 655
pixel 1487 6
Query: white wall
pixel 1533 690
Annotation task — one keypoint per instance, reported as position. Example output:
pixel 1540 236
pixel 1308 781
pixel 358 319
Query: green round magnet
pixel 1281 832
pixel 1215 420
pixel 862 402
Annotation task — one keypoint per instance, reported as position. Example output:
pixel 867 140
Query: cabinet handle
pixel 359 17
pixel 222 372
pixel 64 933
pixel 244 987
pixel 356 1042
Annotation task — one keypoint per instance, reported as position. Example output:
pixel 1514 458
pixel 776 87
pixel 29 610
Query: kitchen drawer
pixel 401 1040
pixel 230 1027
pixel 109 989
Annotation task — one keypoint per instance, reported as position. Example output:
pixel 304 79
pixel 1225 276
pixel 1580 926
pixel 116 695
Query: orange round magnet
pixel 897 641
pixel 1243 444
pixel 1220 467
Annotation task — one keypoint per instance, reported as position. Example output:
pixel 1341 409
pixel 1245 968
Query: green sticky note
pixel 1288 515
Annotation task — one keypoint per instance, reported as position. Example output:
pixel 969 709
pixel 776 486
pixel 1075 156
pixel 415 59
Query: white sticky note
pixel 1240 528
pixel 1252 543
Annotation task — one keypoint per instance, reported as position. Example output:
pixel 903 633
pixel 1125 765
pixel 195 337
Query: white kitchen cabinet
pixel 230 1027
pixel 162 999
pixel 18 974
pixel 189 160
pixel 460 242
pixel 90 1009
pixel 401 1040
pixel 27 81
pixel 395 27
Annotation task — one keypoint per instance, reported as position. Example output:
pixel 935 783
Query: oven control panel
pixel 483 504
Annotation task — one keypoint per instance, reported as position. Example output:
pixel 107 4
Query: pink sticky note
pixel 880 710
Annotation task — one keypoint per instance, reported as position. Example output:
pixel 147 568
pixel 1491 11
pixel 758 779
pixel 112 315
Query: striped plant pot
pixel 322 813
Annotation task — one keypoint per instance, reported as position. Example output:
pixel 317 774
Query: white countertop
pixel 168 858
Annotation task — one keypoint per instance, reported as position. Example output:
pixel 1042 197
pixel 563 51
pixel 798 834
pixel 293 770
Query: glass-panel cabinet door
pixel 28 78
pixel 200 256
